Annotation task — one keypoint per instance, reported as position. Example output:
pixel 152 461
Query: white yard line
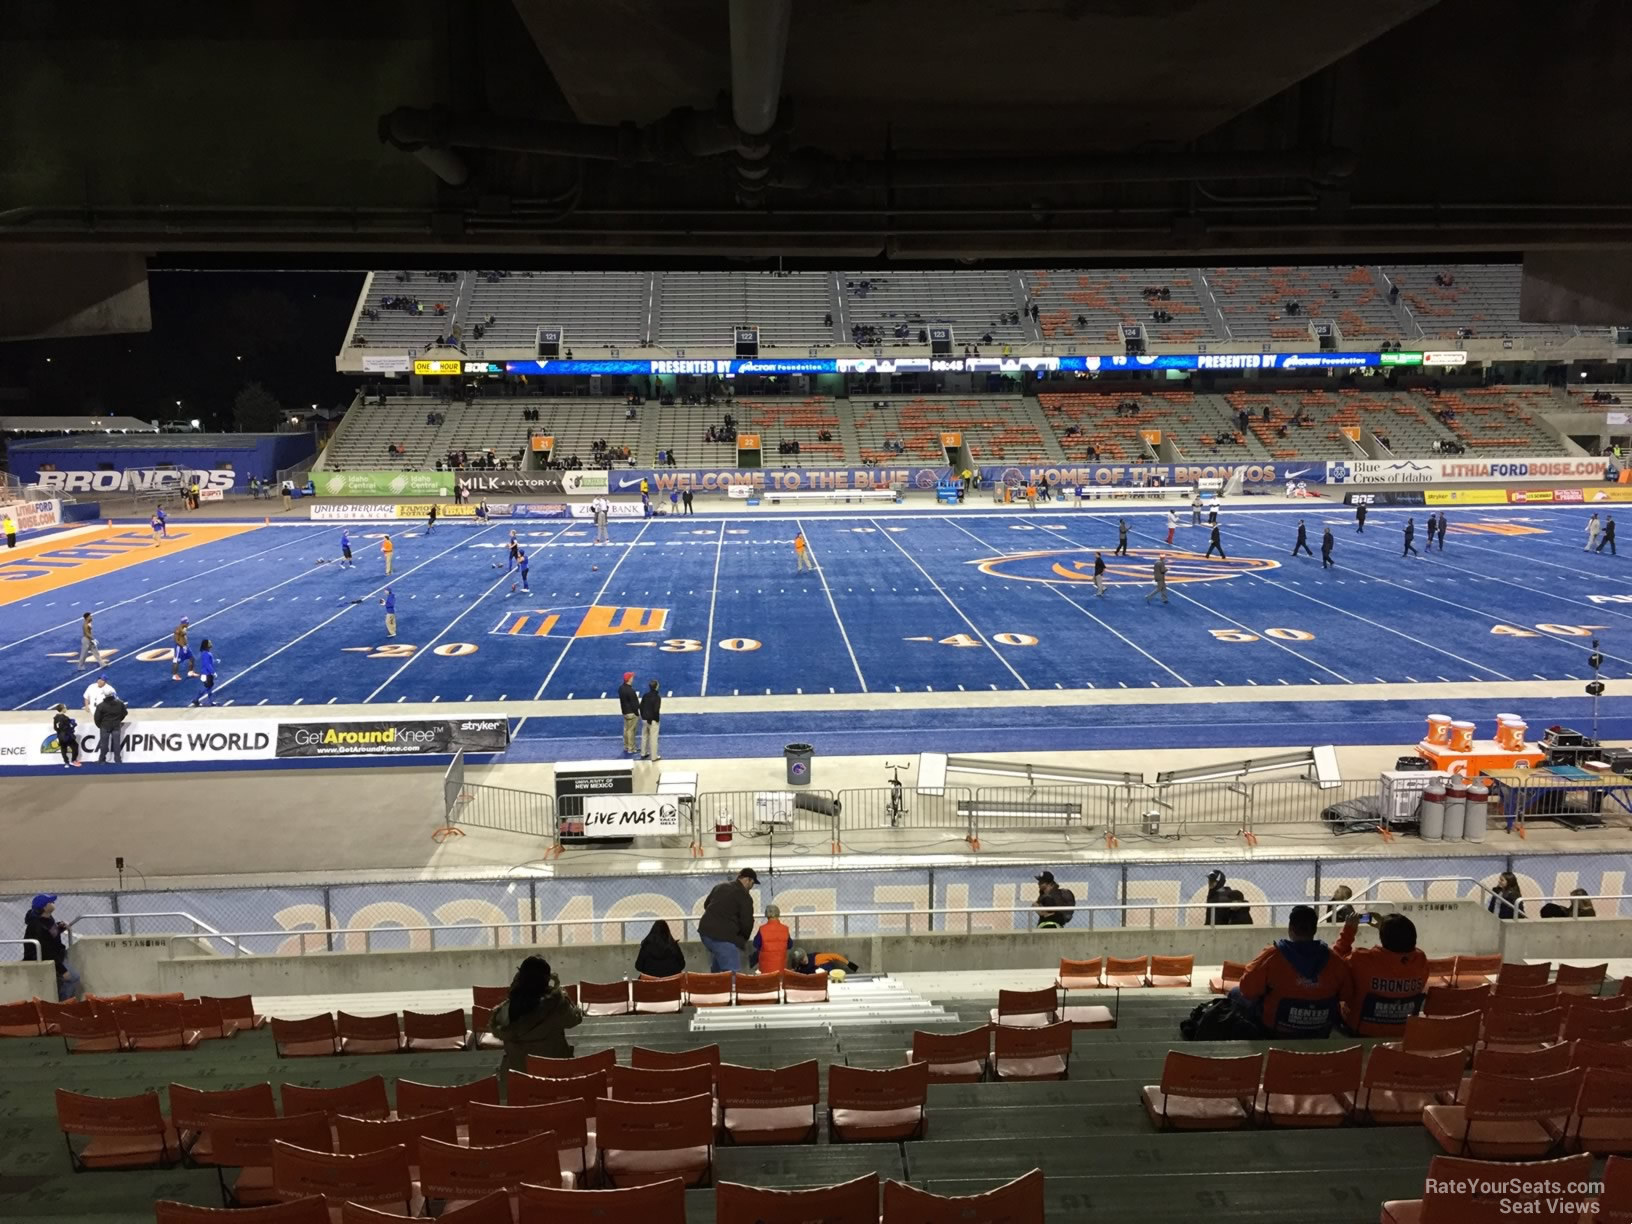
pixel 713 596
pixel 952 603
pixel 837 619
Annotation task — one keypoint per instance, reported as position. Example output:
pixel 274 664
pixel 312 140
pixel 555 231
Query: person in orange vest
pixel 1387 982
pixel 1293 987
pixel 771 942
pixel 801 552
pixel 388 551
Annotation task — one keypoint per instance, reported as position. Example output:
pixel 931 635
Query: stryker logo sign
pixel 134 481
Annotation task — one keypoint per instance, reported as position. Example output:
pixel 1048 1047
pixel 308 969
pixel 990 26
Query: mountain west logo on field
pixel 1077 565
pixel 595 620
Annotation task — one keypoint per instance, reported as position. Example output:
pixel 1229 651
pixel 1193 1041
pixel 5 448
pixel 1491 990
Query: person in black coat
pixel 110 717
pixel 1360 518
pixel 1303 540
pixel 629 704
pixel 1608 537
pixel 1410 534
pixel 660 955
pixel 728 921
pixel 1326 543
pixel 1216 892
pixel 1215 542
pixel 40 924
pixel 651 712
pixel 67 738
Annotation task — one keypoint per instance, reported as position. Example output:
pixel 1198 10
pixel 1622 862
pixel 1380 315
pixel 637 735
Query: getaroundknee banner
pixel 31 515
pixel 1465 471
pixel 393 737
pixel 144 741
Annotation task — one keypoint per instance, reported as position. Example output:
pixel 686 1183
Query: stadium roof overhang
pixel 634 133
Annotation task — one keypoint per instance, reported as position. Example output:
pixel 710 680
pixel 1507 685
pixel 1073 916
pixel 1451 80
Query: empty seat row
pixel 660 1202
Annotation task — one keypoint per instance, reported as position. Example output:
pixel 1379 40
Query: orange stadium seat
pixel 1200 1093
pixel 1170 971
pixel 1442 1034
pixel 770 1105
pixel 642 1142
pixel 1592 1024
pixel 313 1037
pixel 954 1058
pixel 669 1060
pixel 491 1209
pixel 1229 977
pixel 1317 1089
pixel 245 1144
pixel 655 996
pixel 415 1098
pixel 670 1084
pixel 128 1132
pixel 1601 1122
pixel 458 1176
pixel 203 1020
pixel 663 1202
pixel 369 1034
pixel 1506 1118
pixel 851 1202
pixel 1461 1191
pixel 365 1098
pixel 1018 1202
pixel 568 1121
pixel 357 1136
pixel 1476 970
pixel 192 1108
pixel 1032 1053
pixel 865 1106
pixel 1519 973
pixel 570 1068
pixel 523 1089
pixel 378 1178
pixel 1396 1086
pixel 757 988
pixel 1518 1064
pixel 1128 972
pixel 21 1019
pixel 238 1010
pixel 1615 1200
pixel 1026 1008
pixel 310 1210
pixel 1521 1030
pixel 708 989
pixel 90 1032
pixel 1581 979
pixel 804 987
pixel 604 998
pixel 422 1031
pixel 1455 1001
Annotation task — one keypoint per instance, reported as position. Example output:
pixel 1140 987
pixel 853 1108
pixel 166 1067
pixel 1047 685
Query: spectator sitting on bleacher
pixel 1387 983
pixel 1579 907
pixel 660 955
pixel 1293 987
pixel 535 1018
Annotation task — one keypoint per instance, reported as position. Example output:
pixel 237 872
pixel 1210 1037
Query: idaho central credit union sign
pixel 1134 569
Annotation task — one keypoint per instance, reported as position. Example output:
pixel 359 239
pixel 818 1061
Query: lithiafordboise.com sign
pixel 393 737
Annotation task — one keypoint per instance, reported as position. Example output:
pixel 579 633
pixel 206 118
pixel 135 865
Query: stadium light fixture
pixel 194 423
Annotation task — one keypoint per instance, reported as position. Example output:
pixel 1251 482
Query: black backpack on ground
pixel 1217 1020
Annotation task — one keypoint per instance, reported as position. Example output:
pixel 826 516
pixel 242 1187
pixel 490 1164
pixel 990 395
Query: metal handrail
pixel 200 927
pixel 1150 908
pixel 39 952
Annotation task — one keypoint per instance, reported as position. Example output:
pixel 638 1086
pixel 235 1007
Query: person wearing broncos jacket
pixel 1293 988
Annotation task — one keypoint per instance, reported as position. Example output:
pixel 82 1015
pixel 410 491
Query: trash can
pixel 797 757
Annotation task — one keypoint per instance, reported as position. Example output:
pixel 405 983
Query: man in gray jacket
pixel 728 921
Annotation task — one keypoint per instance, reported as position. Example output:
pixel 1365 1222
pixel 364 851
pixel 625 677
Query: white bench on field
pixel 830 495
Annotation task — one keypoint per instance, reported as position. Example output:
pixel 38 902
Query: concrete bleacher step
pixel 873 1000
pixel 1032 412
pixel 1331 1196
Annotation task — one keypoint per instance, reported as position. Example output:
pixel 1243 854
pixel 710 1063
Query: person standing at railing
pixel 40 924
pixel 1054 905
pixel 770 954
pixel 535 1018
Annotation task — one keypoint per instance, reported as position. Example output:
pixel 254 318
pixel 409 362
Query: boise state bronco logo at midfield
pixel 1134 569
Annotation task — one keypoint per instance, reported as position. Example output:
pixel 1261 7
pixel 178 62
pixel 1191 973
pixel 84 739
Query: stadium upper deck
pixel 491 314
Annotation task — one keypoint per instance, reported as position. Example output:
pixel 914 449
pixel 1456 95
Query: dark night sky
pixel 212 333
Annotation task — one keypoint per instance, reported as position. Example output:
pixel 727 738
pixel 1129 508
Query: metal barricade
pixel 508 811
pixel 453 787
pixel 904 807
pixel 1060 807
pixel 750 813
pixel 1184 808
pixel 1284 801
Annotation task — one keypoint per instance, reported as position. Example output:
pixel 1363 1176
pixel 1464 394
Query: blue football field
pixel 933 603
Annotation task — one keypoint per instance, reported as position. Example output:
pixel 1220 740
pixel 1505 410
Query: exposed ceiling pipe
pixel 759 49
pixel 684 135
pixel 807 171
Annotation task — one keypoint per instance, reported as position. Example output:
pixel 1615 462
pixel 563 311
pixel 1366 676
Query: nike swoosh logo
pixel 627 484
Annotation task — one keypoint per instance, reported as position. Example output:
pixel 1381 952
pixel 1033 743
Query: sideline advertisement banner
pixel 379 363
pixel 1465 497
pixel 547 483
pixel 367 513
pixel 614 510
pixel 144 741
pixel 630 816
pixel 136 480
pixel 721 480
pixel 1407 497
pixel 393 737
pixel 32 515
pixel 383 484
pixel 419 510
pixel 1465 471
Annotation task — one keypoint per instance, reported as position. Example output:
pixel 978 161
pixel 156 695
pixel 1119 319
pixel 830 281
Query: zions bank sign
pixel 135 481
